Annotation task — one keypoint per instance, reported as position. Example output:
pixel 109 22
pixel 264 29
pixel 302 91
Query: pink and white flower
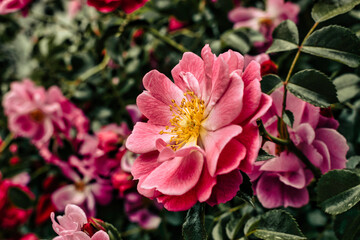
pixel 282 181
pixel 200 131
pixel 70 225
pixel 264 21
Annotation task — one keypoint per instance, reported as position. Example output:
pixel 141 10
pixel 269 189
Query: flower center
pixel 37 115
pixel 80 186
pixel 186 122
pixel 266 21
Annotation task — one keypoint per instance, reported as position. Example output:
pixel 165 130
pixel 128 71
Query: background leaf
pixel 338 191
pixel 270 83
pixel 348 86
pixel 326 9
pixel 335 43
pixel 278 225
pixel 20 198
pixel 314 87
pixel 286 37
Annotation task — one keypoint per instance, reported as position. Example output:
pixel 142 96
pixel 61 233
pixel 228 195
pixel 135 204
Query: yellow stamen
pixel 186 122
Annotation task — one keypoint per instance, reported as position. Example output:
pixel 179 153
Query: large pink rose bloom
pixel 264 21
pixel 282 181
pixel 9 6
pixel 106 6
pixel 200 130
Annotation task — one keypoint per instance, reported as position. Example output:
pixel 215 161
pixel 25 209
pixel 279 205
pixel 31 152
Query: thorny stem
pixel 167 40
pixel 289 75
pixel 291 146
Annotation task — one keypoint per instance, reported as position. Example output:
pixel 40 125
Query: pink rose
pixel 282 181
pixel 9 6
pixel 201 129
pixel 106 6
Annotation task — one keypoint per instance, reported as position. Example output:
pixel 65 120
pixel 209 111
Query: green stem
pixel 6 142
pixel 94 70
pixel 270 137
pixel 167 40
pixel 131 231
pixel 291 147
pixel 114 231
pixel 305 160
pixel 234 209
pixel 292 69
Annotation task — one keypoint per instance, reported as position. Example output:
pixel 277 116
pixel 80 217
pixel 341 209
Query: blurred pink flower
pixel 105 6
pixel 138 212
pixel 70 225
pixel 85 191
pixel 194 150
pixel 282 181
pixel 74 6
pixel 175 24
pixel 38 114
pixel 9 6
pixel 29 236
pixel 266 21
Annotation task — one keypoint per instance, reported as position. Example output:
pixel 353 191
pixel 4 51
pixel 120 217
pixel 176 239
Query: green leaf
pixel 353 162
pixel 217 232
pixel 286 37
pixel 348 225
pixel 288 118
pixel 314 87
pixel 270 83
pixel 338 191
pixel 19 198
pixel 278 225
pixel 263 156
pixel 348 86
pixel 236 39
pixel 336 43
pixel 326 9
pixel 193 227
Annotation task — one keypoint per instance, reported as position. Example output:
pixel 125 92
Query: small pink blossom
pixel 175 24
pixel 70 225
pixel 264 21
pixel 282 181
pixel 9 6
pixel 74 6
pixel 201 129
